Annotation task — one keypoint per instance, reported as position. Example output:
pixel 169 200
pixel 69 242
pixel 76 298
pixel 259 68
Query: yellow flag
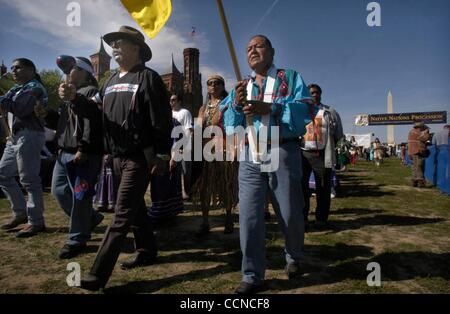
pixel 151 15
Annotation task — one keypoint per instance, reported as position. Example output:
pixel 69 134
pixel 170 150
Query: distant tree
pixel 6 82
pixel 105 76
pixel 52 79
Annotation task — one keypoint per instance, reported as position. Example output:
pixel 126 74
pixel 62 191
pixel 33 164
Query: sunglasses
pixel 214 83
pixel 173 100
pixel 118 43
pixel 17 67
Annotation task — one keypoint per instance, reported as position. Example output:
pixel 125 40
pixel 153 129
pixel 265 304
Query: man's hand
pixel 39 110
pixel 80 158
pixel 257 108
pixel 241 93
pixel 158 166
pixel 67 92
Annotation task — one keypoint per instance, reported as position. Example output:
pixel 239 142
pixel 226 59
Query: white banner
pixel 361 139
pixel 362 120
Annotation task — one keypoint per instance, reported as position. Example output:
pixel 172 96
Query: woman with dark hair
pixel 78 164
pixel 22 153
pixel 217 184
pixel 377 152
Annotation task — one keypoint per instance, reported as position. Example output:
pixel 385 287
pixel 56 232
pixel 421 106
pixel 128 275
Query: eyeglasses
pixel 315 93
pixel 15 67
pixel 117 43
pixel 215 83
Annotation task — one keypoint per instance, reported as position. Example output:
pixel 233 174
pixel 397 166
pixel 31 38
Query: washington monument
pixel 390 128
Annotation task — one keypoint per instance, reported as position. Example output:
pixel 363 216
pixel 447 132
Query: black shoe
pixel 14 222
pixel 29 231
pixel 92 283
pixel 229 228
pixel 141 259
pixel 96 220
pixel 247 288
pixel 70 251
pixel 292 270
pixel 308 226
pixel 321 225
pixel 204 230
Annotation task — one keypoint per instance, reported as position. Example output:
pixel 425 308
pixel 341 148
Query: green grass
pixel 377 217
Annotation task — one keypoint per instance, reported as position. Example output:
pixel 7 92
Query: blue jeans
pixel 284 186
pixel 82 215
pixel 22 157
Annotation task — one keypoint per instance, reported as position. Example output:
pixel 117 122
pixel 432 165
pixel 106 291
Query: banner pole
pixel 226 29
pixel 252 133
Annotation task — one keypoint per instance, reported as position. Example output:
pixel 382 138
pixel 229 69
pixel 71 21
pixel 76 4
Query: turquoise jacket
pixel 291 109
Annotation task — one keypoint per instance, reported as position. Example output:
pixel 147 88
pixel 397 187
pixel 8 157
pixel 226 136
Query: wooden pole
pixel 237 72
pixel 226 29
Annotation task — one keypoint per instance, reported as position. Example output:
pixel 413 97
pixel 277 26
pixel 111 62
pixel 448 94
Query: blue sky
pixel 327 41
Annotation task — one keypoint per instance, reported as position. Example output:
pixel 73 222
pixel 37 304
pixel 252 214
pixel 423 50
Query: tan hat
pixel 216 77
pixel 132 34
pixel 419 124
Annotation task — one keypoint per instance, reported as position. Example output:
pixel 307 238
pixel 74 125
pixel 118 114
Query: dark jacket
pixel 134 111
pixel 20 101
pixel 76 133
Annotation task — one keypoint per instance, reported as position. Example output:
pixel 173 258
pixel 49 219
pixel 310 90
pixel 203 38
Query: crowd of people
pixel 115 140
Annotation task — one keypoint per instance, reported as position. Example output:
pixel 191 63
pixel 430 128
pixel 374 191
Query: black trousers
pixel 315 161
pixel 130 213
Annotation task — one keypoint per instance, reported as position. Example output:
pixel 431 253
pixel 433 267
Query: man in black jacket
pixel 137 124
pixel 80 144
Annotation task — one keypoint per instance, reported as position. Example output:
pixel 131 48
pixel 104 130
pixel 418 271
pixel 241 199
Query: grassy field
pixel 378 217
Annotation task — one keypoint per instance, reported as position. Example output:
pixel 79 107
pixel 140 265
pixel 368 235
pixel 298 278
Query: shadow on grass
pixel 317 258
pixel 356 211
pixel 362 190
pixel 381 220
pixel 180 235
pixel 149 286
pixel 394 267
pixel 336 226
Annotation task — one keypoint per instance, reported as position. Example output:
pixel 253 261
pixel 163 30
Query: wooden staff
pixel 237 72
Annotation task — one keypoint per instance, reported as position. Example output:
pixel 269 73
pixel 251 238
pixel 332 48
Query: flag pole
pixel 252 134
pixel 226 29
